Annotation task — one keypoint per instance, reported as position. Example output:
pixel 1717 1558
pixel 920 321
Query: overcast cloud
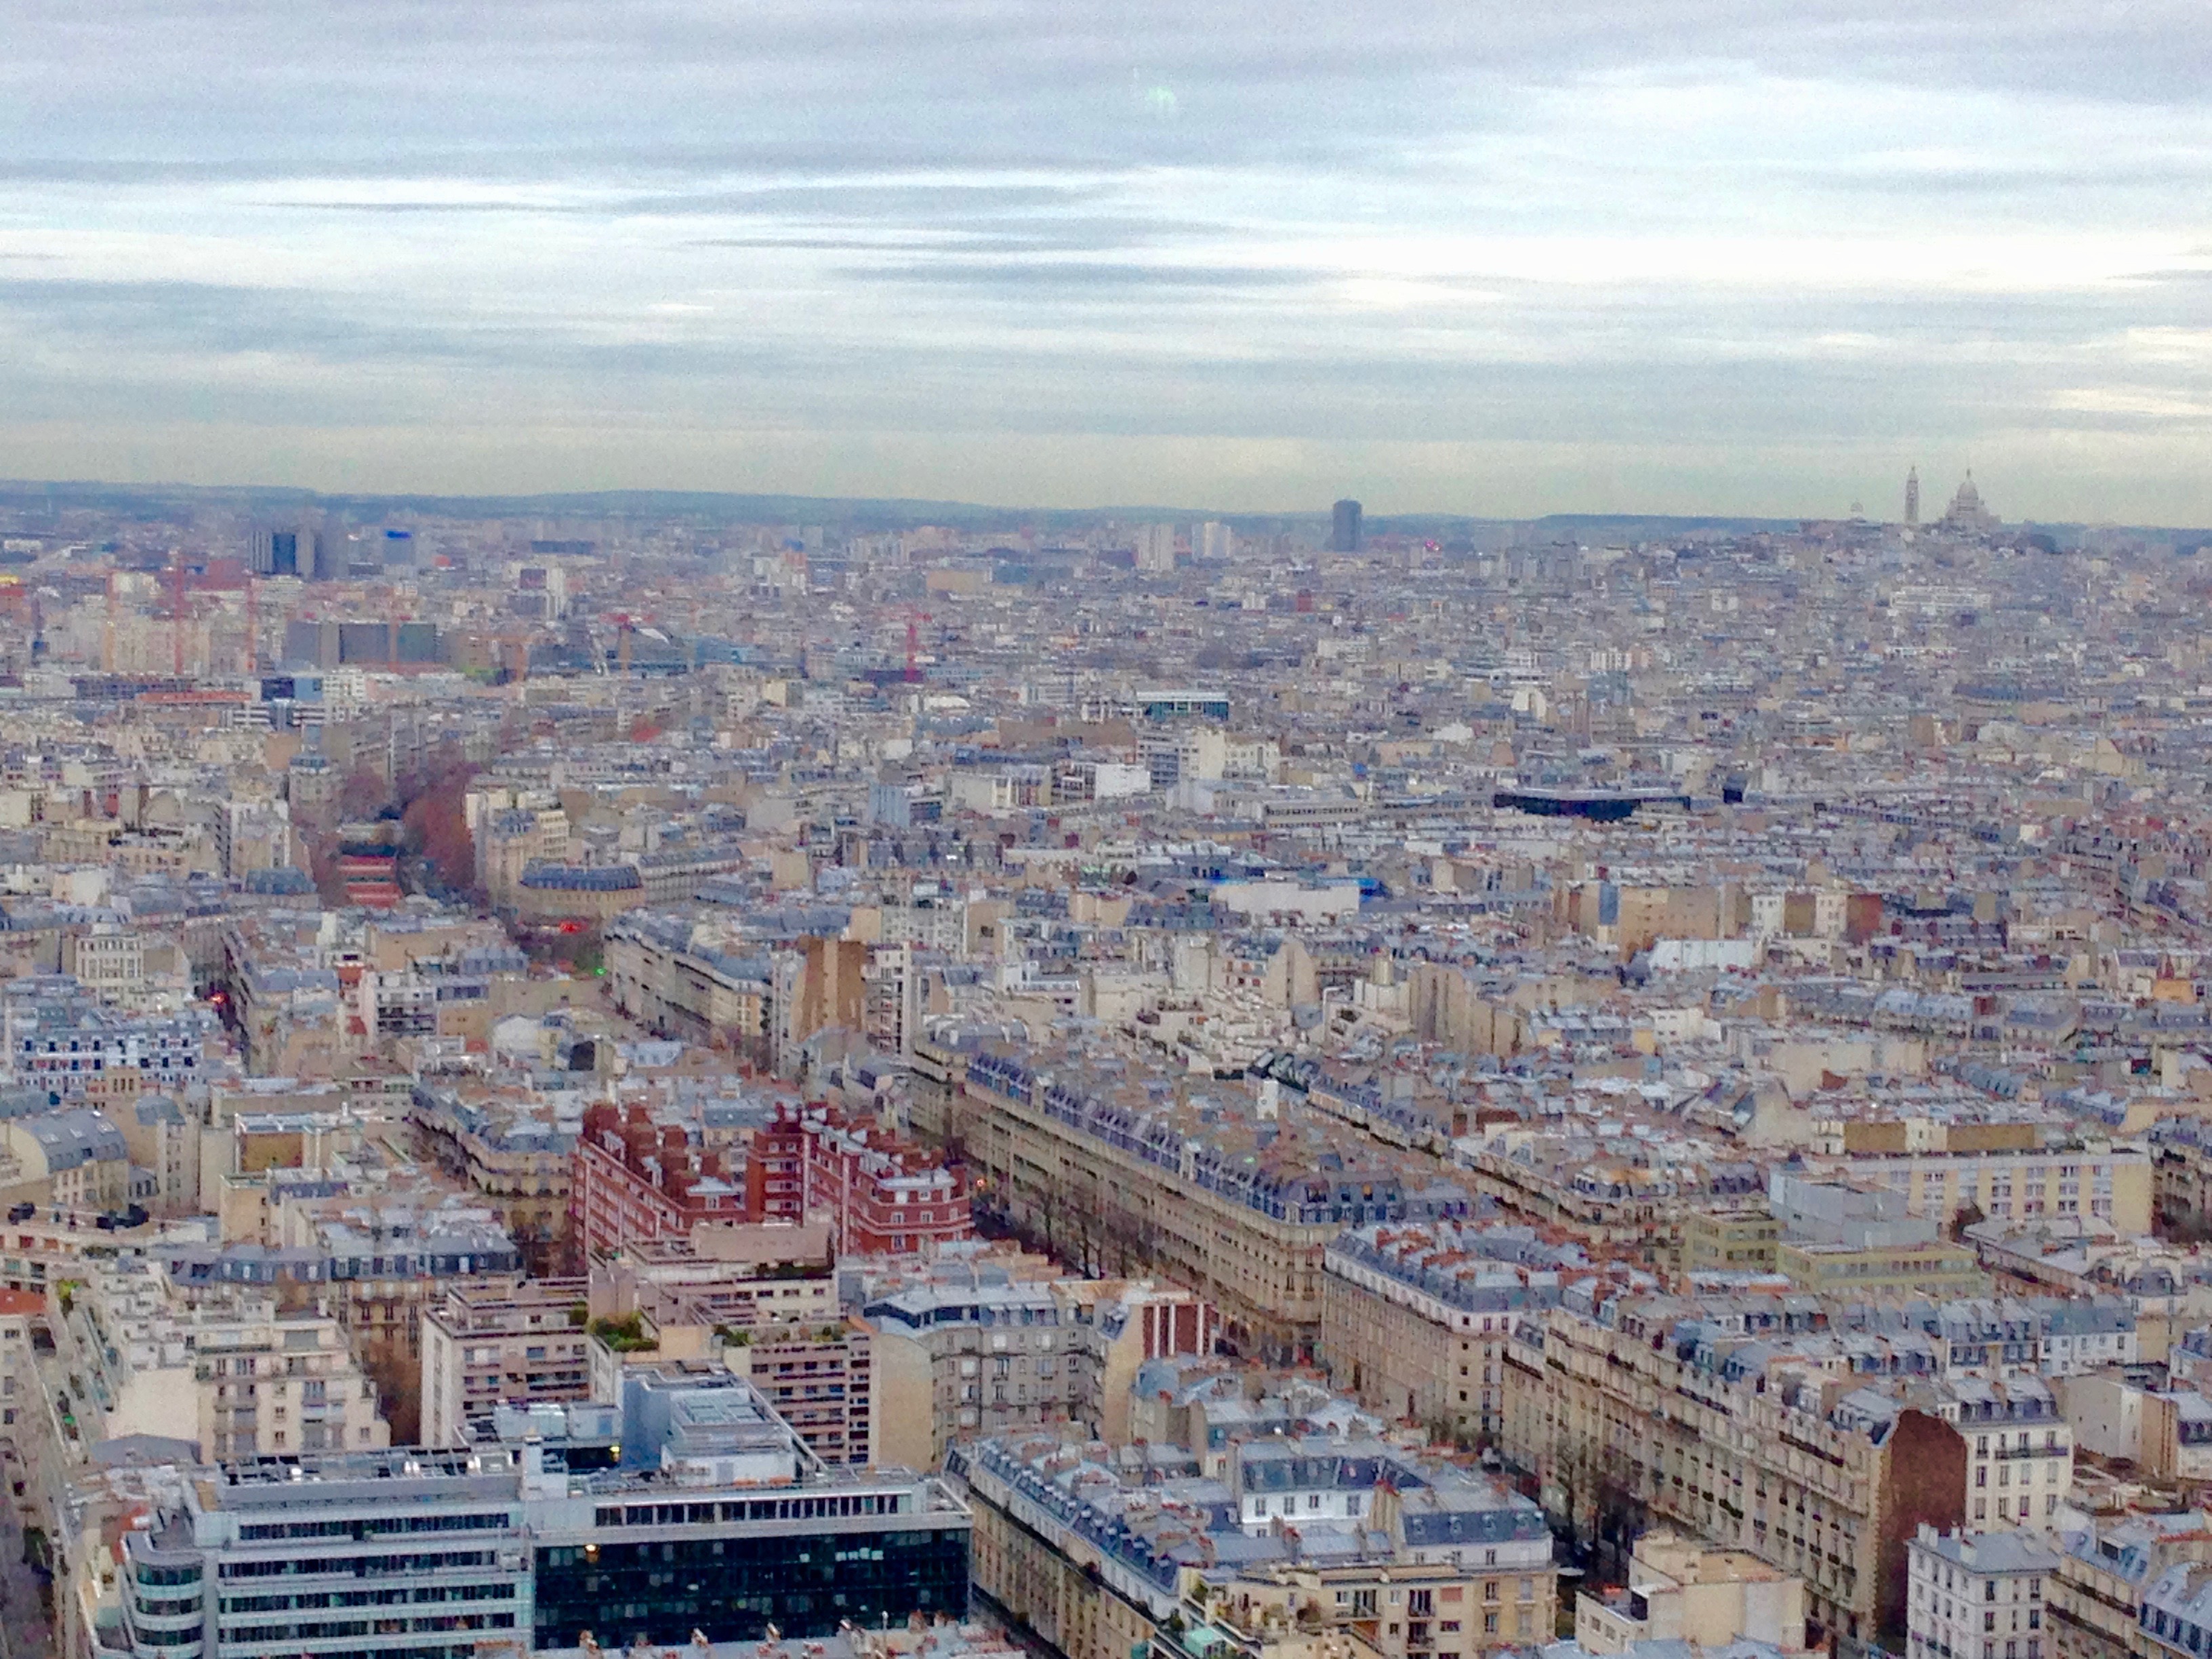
pixel 1494 259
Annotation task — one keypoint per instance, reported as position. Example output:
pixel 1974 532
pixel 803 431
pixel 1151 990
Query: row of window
pixel 757 1508
pixel 496 1591
pixel 374 1526
pixel 308 1566
pixel 329 1627
pixel 1924 1648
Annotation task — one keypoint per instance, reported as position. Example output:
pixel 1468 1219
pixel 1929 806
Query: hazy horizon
pixel 760 506
pixel 1683 257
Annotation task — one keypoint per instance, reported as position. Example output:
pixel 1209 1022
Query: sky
pixel 1502 259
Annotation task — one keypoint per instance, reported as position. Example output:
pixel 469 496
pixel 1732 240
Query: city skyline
pixel 1683 260
pixel 298 513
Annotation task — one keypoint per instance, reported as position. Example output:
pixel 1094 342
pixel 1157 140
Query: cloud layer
pixel 1672 255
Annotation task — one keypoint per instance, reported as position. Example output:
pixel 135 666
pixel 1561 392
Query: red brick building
pixel 879 1191
pixel 633 1179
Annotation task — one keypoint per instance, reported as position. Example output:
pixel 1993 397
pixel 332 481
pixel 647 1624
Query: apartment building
pixel 490 1345
pixel 1092 1163
pixel 966 1351
pixel 58 1036
pixel 379 1268
pixel 1095 1557
pixel 514 1154
pixel 1841 1240
pixel 633 1179
pixel 107 960
pixel 2098 1180
pixel 879 1191
pixel 2177 1612
pixel 1415 1319
pixel 1621 1429
pixel 278 1385
pixel 2020 1450
pixel 821 1379
pixel 77 1160
pixel 657 976
pixel 1608 1206
pixel 2094 1599
pixel 746 1273
pixel 1977 1594
pixel 963 1362
pixel 1730 1240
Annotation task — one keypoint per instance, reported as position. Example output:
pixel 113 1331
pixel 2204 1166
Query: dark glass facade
pixel 733 1588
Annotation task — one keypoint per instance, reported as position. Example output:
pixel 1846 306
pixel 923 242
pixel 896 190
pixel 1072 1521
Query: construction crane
pixel 626 626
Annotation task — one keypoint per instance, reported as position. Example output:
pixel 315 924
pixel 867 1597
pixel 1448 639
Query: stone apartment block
pixel 1622 1431
pixel 658 977
pixel 962 1356
pixel 378 1269
pixel 276 1385
pixel 518 1159
pixel 2019 1450
pixel 1094 1164
pixel 1415 1320
pixel 1979 1595
pixel 1096 1559
pixel 2094 1599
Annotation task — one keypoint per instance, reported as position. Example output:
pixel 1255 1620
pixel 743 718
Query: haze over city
pixel 1689 258
pixel 969 831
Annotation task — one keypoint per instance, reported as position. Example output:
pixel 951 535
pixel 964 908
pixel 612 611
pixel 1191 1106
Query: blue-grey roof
pixel 73 1138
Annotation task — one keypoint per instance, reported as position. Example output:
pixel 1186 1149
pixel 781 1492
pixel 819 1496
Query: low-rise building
pixel 1680 1589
